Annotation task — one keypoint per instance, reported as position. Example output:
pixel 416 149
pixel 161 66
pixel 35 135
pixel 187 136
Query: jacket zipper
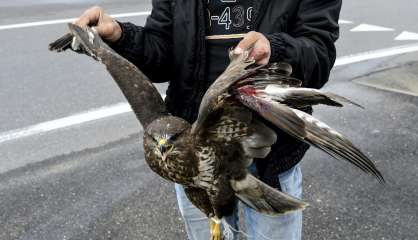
pixel 259 7
pixel 200 64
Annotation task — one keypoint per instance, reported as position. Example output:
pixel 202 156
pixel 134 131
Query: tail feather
pixel 264 198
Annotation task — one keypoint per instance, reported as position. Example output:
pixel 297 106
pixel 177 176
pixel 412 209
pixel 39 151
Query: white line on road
pixel 387 52
pixel 72 120
pixel 66 20
pixel 342 21
pixel 121 108
pixel 371 28
pixel 407 36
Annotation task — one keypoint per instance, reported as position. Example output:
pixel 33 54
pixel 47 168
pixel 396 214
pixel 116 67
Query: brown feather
pixel 241 66
pixel 141 94
pixel 61 44
pixel 200 199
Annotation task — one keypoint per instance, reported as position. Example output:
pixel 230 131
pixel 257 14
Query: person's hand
pixel 105 25
pixel 261 47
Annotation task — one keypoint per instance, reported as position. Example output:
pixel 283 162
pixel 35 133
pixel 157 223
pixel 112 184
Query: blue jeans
pixel 257 226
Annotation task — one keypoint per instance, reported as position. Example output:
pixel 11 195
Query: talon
pixel 215 229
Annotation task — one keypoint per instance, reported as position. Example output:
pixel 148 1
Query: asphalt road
pixel 90 181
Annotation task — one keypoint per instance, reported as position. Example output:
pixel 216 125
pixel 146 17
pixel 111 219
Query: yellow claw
pixel 215 229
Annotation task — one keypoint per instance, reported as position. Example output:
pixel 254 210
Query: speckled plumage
pixel 210 157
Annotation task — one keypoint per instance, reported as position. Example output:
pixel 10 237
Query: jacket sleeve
pixel 149 47
pixel 309 44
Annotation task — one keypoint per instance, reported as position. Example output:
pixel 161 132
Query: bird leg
pixel 215 229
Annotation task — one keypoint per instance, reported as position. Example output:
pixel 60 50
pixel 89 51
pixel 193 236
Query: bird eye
pixel 174 137
pixel 154 139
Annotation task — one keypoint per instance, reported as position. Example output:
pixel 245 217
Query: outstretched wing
pixel 273 94
pixel 63 43
pixel 240 138
pixel 239 67
pixel 141 94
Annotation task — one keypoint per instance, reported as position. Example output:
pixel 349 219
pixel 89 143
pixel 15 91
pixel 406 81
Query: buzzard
pixel 210 157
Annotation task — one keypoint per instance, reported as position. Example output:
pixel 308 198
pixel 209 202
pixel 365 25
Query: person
pixel 186 43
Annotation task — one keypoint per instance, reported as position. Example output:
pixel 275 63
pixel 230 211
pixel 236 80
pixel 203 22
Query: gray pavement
pixel 399 15
pixel 35 10
pixel 90 181
pixel 109 193
pixel 39 85
pixel 102 193
pixel 345 203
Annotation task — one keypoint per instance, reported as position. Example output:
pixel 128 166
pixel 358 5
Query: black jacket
pixel 171 47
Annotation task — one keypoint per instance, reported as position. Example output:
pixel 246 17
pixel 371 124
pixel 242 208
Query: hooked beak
pixel 162 146
pixel 163 149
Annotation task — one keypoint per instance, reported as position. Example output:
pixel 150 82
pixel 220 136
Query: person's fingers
pixel 263 61
pixel 103 29
pixel 82 21
pixel 90 17
pixel 104 24
pixel 248 41
pixel 261 51
pixel 110 30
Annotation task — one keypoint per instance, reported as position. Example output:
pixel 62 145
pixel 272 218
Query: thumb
pixel 90 17
pixel 246 43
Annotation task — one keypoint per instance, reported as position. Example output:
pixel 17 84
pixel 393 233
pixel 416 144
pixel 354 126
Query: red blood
pixel 248 91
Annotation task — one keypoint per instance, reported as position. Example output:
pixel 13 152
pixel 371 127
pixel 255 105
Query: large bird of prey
pixel 210 157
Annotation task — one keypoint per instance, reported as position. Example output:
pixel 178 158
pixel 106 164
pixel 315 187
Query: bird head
pixel 165 144
pixel 165 135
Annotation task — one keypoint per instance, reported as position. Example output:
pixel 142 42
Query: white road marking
pixel 69 121
pixel 73 120
pixel 371 28
pixel 122 108
pixel 387 52
pixel 341 21
pixel 66 20
pixel 407 36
